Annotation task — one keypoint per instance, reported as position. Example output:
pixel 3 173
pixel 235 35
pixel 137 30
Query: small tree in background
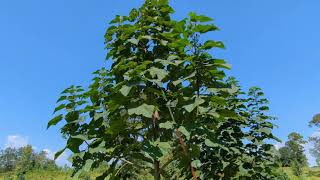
pixel 165 108
pixel 24 159
pixel 27 159
pixel 315 140
pixel 292 154
pixel 285 156
pixel 8 159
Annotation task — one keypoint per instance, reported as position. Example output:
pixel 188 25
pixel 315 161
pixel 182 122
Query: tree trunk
pixel 155 137
pixel 156 170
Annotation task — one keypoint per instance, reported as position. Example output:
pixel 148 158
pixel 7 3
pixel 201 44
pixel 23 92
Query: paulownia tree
pixel 165 108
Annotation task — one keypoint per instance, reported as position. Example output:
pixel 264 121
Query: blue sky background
pixel 45 46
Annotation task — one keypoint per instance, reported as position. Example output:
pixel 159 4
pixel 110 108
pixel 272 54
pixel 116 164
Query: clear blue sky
pixel 46 46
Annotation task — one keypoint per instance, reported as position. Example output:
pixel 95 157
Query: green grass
pixel 44 175
pixel 38 175
pixel 308 174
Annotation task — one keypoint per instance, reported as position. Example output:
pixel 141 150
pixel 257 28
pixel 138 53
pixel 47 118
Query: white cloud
pixel 16 141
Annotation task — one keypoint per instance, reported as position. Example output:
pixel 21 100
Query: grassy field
pixel 38 175
pixel 44 175
pixel 309 174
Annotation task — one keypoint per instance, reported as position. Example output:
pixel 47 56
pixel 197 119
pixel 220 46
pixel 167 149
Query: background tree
pixel 315 140
pixel 292 154
pixel 27 158
pixel 165 108
pixel 8 159
pixel 24 159
pixel 285 156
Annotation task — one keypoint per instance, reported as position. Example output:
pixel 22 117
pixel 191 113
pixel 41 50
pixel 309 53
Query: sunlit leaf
pixel 55 120
pixel 144 110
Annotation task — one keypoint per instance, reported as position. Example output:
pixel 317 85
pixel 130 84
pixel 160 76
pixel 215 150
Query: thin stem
pixel 155 137
pixel 185 151
pixel 181 141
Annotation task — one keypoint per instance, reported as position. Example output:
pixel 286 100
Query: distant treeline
pixel 24 159
pixel 26 163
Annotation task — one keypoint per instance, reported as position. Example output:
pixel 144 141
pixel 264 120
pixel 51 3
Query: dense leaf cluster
pixel 165 108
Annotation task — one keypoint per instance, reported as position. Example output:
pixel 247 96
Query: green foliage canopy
pixel 165 108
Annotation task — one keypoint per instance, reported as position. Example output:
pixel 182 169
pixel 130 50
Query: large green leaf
pixel 144 110
pixel 204 28
pixel 167 62
pixel 199 18
pixel 156 72
pixel 190 107
pixel 265 130
pixel 62 98
pixel 167 125
pixel 196 163
pixel 164 147
pixel 152 149
pixel 184 79
pixel 61 106
pixel 57 154
pixel 125 90
pixel 212 44
pixel 55 120
pixel 172 57
pixel 77 174
pixel 133 41
pixel 80 136
pixel 74 144
pixel 209 143
pixel 88 165
pixel 185 132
